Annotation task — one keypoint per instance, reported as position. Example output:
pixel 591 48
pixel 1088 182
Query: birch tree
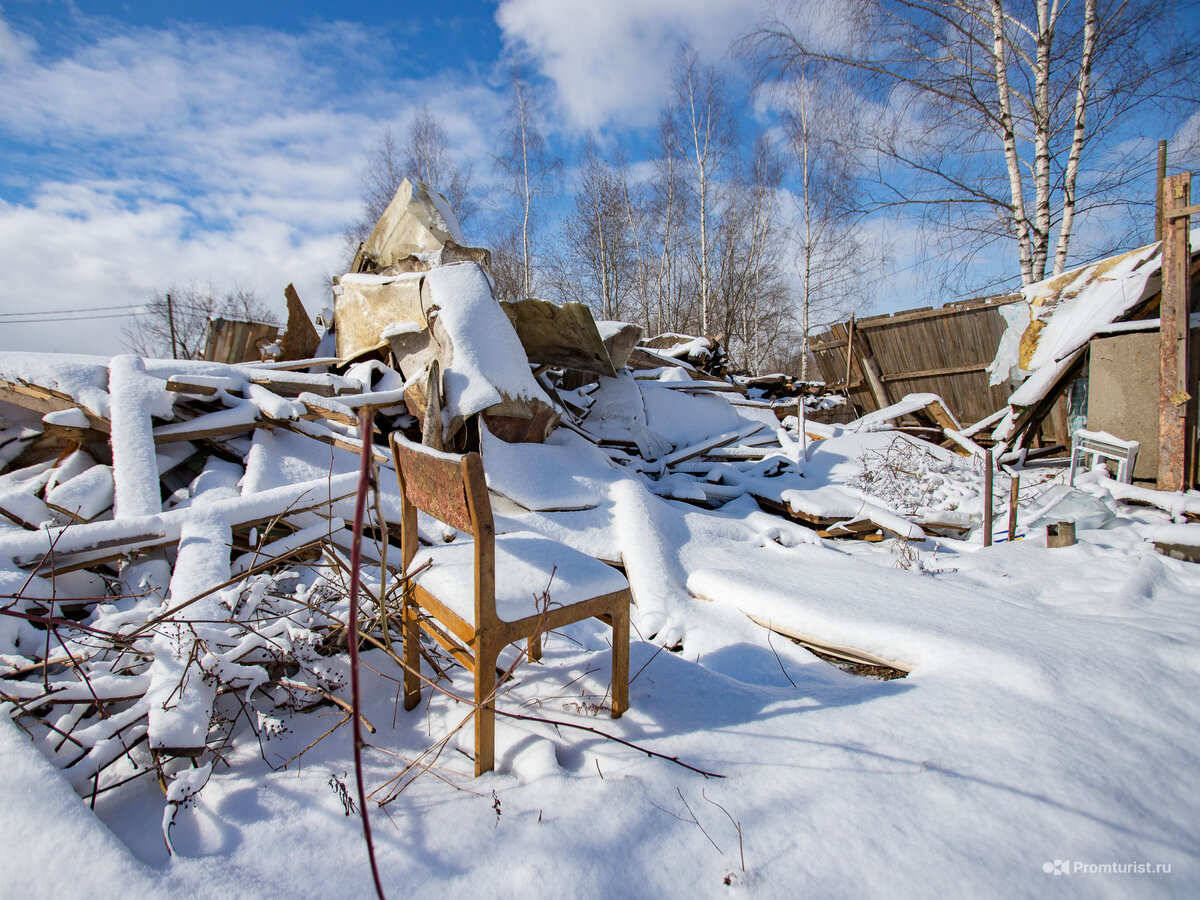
pixel 996 111
pixel 701 131
pixel 835 264
pixel 527 169
pixel 426 157
pixel 596 264
pixel 751 308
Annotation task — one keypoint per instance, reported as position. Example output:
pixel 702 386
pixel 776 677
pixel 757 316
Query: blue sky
pixel 145 144
pixel 151 143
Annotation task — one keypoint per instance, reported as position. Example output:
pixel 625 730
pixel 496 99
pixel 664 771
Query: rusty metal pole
pixel 1014 489
pixel 1174 397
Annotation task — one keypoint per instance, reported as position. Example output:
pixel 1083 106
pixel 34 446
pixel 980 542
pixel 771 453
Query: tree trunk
pixel 1072 171
pixel 1008 137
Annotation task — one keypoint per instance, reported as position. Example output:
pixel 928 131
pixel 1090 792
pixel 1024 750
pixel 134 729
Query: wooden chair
pixel 476 597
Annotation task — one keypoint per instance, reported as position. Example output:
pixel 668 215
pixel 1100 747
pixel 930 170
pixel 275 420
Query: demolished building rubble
pixel 179 527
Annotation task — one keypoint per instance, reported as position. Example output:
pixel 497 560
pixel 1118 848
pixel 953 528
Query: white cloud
pixel 611 62
pixel 14 47
pixel 78 246
pixel 158 157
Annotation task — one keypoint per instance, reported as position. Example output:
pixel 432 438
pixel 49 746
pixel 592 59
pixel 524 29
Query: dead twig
pixel 365 479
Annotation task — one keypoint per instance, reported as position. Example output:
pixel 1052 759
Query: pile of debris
pixel 174 546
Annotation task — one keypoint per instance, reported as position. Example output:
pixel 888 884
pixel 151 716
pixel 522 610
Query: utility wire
pixel 82 309
pixel 31 317
pixel 46 320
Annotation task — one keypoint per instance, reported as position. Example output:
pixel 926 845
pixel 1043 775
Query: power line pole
pixel 171 322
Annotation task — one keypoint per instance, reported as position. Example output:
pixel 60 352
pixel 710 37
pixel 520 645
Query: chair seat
pixel 524 562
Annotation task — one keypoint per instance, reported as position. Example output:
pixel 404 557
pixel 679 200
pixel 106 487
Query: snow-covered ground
pixel 1049 719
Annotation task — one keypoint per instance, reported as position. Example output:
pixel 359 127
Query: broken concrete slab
pixel 563 336
pixel 416 232
pixel 619 340
pixel 368 304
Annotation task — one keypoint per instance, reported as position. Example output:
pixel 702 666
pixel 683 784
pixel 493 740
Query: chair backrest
pixel 452 489
pixel 448 486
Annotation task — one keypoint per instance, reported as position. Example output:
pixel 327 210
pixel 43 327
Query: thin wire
pixel 81 309
pixel 44 320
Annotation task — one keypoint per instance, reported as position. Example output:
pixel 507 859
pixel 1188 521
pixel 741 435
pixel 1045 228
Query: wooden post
pixel 1158 199
pixel 987 497
pixel 849 353
pixel 1173 336
pixel 1014 487
pixel 801 428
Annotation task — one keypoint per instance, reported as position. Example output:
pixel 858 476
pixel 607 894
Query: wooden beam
pixel 1173 344
pixel 1158 190
pixel 44 400
pixel 935 373
pixel 857 383
pixel 1183 211
pixel 849 348
pixel 1014 493
pixel 875 382
pixel 987 497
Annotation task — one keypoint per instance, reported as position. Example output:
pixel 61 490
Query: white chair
pixel 1088 446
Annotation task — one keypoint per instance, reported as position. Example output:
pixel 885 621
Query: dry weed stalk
pixel 82 693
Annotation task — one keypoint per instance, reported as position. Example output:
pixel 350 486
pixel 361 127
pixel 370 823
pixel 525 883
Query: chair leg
pixel 412 657
pixel 485 707
pixel 620 659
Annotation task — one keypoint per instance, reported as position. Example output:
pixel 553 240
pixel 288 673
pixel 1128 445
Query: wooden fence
pixel 942 351
pixel 231 341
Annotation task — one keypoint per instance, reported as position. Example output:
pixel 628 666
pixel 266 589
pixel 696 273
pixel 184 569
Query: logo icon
pixel 1058 867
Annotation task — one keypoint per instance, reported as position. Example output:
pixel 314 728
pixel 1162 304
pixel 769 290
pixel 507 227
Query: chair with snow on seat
pixel 476 597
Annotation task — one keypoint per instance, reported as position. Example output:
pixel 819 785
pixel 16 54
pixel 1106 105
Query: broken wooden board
pixel 233 341
pixel 297 364
pixel 90 544
pixel 926 408
pixel 195 386
pixel 25 510
pixel 700 385
pixel 563 336
pixel 431 419
pixel 840 651
pixel 71 426
pixel 300 340
pixel 641 358
pixel 219 424
pixel 325 435
pixel 46 400
pixel 720 440
pixel 533 428
pixel 293 384
pixel 865 525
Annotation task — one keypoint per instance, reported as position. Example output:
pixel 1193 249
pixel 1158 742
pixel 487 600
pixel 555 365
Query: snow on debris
pixel 174 627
